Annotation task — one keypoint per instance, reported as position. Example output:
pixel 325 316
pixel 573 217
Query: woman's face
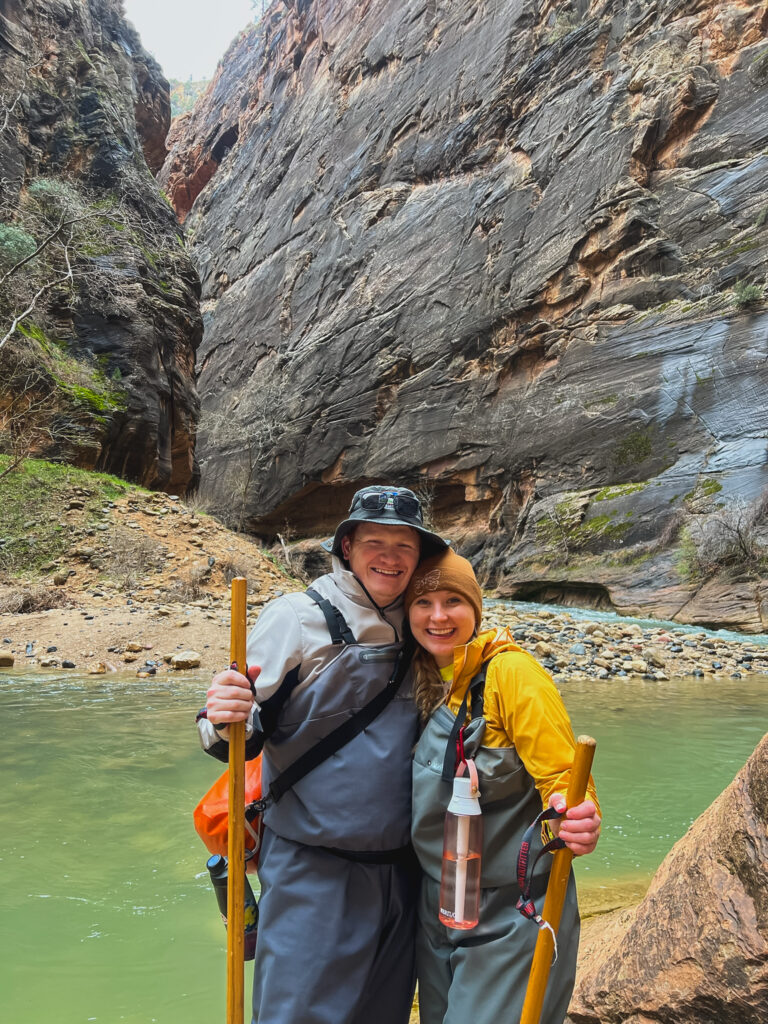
pixel 440 621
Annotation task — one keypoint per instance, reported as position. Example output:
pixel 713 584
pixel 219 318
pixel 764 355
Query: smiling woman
pixel 189 37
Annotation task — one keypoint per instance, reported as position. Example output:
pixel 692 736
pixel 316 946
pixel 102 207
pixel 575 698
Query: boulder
pixel 695 950
pixel 6 660
pixel 186 659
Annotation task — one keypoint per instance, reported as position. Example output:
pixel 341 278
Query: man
pixel 338 882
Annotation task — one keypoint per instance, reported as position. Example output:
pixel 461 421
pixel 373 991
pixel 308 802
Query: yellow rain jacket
pixel 522 708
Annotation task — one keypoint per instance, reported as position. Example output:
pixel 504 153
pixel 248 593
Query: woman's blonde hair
pixel 428 687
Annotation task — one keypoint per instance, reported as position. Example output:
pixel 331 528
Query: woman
pixel 521 739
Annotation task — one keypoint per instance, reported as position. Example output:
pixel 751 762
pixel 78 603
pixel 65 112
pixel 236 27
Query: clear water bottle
pixel 462 848
pixel 219 872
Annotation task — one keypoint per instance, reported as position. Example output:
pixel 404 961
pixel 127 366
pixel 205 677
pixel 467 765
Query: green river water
pixel 106 914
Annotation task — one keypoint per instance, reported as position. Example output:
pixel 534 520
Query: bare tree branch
pixel 68 276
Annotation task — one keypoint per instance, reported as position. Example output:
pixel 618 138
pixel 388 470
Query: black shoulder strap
pixel 337 624
pixel 266 716
pixel 475 695
pixel 340 736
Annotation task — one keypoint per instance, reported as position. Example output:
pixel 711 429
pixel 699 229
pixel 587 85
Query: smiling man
pixel 338 881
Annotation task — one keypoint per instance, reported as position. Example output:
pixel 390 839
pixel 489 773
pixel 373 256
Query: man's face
pixel 383 559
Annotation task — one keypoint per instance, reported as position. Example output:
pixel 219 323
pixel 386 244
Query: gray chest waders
pixel 508 795
pixel 336 764
pixel 339 889
pixel 481 974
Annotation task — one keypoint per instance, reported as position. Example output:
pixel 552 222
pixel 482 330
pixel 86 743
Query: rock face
pixel 512 254
pixel 695 951
pixel 105 357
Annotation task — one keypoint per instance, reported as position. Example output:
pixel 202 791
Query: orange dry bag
pixel 211 814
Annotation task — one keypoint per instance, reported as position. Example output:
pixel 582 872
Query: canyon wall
pixel 509 252
pixel 99 302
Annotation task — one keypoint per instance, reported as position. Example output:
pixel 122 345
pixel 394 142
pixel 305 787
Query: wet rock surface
pixel 497 250
pixel 696 948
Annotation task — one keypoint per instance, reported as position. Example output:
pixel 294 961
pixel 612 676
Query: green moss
pixel 619 491
pixel 84 54
pixel 743 247
pixel 30 330
pixel 99 401
pixel 600 526
pixel 634 449
pixel 565 531
pixel 704 488
pixel 37 492
pixel 611 399
pixel 80 382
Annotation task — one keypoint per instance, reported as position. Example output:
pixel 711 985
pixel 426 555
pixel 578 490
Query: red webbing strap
pixel 525 865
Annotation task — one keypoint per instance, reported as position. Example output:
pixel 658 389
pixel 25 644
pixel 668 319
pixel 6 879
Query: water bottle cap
pixel 464 801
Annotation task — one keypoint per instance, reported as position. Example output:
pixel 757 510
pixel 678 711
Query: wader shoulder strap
pixel 337 624
pixel 474 695
pixel 341 735
pixel 265 718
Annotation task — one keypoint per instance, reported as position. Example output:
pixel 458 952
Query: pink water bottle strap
pixel 472 770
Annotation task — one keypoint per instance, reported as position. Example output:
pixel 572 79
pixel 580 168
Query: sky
pixel 187 37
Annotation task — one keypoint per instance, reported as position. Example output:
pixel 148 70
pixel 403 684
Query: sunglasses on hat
pixel 377 501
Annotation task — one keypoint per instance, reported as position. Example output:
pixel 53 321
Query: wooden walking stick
pixel 236 820
pixel 558 882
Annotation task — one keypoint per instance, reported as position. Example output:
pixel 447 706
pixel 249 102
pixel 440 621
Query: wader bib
pixel 481 974
pixel 336 866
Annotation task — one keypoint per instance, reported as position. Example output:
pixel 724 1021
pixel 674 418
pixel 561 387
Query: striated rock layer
pixel 106 361
pixel 511 253
pixel 695 951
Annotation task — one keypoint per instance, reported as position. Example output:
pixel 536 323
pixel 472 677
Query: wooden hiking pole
pixel 236 820
pixel 558 882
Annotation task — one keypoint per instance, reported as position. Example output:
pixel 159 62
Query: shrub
pixel 727 538
pixel 56 194
pixel 745 295
pixel 34 598
pixel 15 245
pixel 130 556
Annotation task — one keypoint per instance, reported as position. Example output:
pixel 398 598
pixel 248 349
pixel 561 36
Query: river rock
pixel 695 950
pixel 6 660
pixel 186 659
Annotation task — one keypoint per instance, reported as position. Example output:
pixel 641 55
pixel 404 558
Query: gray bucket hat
pixel 390 506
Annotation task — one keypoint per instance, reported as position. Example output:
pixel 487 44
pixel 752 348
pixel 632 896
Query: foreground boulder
pixel 696 949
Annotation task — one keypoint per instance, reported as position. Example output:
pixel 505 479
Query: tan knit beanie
pixel 446 571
